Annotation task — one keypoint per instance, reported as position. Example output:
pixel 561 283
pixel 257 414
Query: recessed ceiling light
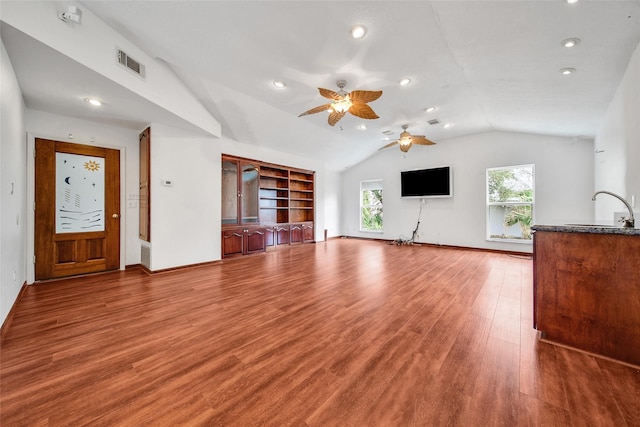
pixel 405 81
pixel 279 84
pixel 358 31
pixel 570 42
pixel 447 125
pixel 567 71
pixel 431 109
pixel 572 1
pixel 362 127
pixel 93 101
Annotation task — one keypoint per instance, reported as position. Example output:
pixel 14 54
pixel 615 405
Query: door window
pixel 79 193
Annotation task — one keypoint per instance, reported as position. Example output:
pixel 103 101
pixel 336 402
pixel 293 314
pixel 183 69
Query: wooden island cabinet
pixel 265 206
pixel 587 289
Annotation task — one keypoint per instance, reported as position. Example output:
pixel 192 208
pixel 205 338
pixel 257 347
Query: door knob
pixel 116 216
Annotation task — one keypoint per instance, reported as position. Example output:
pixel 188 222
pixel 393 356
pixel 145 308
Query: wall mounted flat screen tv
pixel 431 182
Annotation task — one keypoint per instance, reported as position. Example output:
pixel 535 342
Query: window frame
pixel 489 204
pixel 370 183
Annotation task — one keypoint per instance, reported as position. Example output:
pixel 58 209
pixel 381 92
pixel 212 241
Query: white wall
pixel 332 202
pixel 617 160
pixel 185 217
pixel 563 173
pixel 13 184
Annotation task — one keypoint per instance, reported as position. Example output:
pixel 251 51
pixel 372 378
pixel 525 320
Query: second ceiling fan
pixel 353 102
pixel 406 140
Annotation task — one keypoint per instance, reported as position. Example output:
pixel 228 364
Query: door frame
pixel 31 197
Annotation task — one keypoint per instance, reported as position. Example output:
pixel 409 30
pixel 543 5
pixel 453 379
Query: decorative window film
pixel 79 193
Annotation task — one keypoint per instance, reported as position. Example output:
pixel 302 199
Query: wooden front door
pixel 77 210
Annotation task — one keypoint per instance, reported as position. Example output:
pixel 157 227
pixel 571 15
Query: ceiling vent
pixel 433 121
pixel 130 63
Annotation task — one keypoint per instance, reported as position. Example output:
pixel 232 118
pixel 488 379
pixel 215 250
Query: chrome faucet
pixel 627 222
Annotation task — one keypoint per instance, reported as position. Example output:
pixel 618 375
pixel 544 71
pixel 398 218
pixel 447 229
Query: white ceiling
pixel 486 65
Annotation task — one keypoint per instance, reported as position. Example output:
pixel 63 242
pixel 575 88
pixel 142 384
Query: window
pixel 371 205
pixel 510 199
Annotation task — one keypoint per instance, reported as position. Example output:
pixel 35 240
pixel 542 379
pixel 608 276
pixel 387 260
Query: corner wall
pixel 617 146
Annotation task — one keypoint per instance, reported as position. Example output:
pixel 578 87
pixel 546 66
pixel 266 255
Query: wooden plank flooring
pixel 344 333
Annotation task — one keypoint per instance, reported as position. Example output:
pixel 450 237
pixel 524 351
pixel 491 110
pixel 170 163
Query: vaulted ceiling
pixel 484 65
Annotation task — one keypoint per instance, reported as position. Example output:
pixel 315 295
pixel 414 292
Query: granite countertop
pixel 587 228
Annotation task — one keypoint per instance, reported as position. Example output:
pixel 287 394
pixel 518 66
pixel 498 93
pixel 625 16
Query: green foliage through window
pixel 371 212
pixel 510 197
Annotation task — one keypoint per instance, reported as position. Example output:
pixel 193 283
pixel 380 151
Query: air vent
pixel 145 256
pixel 130 63
pixel 433 121
pixel 387 132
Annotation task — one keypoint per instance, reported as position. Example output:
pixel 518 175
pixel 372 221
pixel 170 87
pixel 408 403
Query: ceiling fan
pixel 353 102
pixel 407 140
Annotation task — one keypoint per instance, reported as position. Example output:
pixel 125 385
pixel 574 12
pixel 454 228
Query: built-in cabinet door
pixel 254 239
pixel 307 233
pixel 240 185
pixel 230 192
pixel 282 235
pixel 269 236
pixel 296 235
pixel 249 185
pixel 232 242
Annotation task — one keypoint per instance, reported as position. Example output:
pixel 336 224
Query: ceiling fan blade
pixel 391 144
pixel 334 116
pixel 362 111
pixel 365 95
pixel 318 109
pixel 421 140
pixel 329 94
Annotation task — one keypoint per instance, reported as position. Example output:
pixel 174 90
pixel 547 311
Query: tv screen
pixel 432 182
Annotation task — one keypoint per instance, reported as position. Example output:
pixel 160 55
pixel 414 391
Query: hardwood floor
pixel 344 333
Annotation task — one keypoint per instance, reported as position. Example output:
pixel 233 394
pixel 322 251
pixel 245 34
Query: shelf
pixel 278 198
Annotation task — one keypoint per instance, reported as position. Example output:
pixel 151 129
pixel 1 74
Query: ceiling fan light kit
pixel 343 102
pixel 406 140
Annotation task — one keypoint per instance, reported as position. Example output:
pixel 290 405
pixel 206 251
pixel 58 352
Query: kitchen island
pixel 587 288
